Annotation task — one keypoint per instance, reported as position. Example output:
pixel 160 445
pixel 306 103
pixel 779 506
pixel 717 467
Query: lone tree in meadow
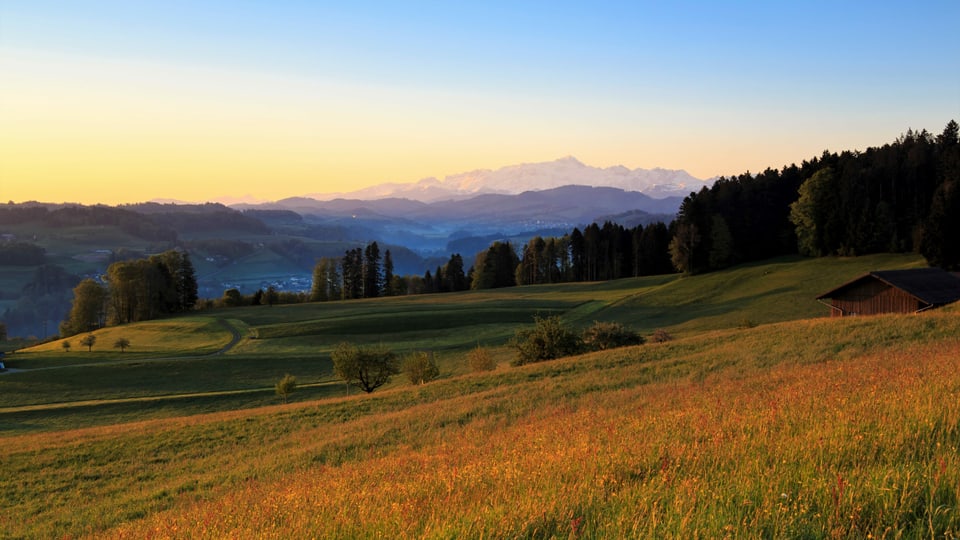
pixel 121 343
pixel 66 345
pixel 549 338
pixel 88 341
pixel 286 386
pixel 367 369
pixel 420 367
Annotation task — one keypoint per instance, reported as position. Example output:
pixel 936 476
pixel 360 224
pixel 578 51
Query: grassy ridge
pixel 802 452
pixel 819 428
pixel 297 339
pixel 860 414
pixel 191 336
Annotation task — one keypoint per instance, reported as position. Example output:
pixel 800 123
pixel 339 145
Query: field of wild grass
pixel 810 429
pixel 813 451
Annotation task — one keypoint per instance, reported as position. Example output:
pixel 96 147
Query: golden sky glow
pixel 130 117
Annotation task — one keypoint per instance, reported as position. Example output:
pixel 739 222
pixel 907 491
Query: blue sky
pixel 198 100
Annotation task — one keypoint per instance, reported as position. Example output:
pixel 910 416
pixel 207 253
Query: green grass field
pixel 763 418
pixel 176 356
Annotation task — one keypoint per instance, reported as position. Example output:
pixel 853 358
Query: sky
pixel 122 102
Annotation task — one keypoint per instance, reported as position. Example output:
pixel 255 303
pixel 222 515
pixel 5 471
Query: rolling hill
pixel 757 420
pixel 298 338
pixel 255 246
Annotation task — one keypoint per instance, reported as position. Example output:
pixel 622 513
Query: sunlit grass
pixel 297 339
pixel 857 448
pixel 819 429
pixel 181 336
pixel 813 428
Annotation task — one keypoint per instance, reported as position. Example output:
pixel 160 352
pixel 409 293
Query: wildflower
pixel 575 526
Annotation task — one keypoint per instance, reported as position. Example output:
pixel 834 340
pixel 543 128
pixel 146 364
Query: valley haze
pixel 252 246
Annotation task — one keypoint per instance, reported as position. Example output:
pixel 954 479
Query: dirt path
pixel 148 399
pixel 233 342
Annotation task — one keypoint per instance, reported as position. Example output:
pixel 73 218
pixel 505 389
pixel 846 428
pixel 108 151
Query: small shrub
pixel 610 335
pixel 549 338
pixel 660 336
pixel 480 359
pixel 286 386
pixel 420 367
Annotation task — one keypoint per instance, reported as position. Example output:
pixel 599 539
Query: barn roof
pixel 929 285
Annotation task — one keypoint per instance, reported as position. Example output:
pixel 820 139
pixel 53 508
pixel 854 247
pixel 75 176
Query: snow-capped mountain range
pixel 516 179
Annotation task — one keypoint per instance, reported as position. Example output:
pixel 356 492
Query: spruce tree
pixel 388 289
pixel 371 271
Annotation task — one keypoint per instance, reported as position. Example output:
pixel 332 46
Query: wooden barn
pixel 893 291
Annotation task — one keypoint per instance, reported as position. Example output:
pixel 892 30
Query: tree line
pixel 610 251
pixel 901 197
pixel 898 198
pixel 361 273
pixel 148 221
pixel 74 216
pixel 598 253
pixel 136 290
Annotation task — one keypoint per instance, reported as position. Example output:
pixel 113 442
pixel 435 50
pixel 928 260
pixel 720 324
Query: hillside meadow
pixel 172 366
pixel 826 428
pixel 748 424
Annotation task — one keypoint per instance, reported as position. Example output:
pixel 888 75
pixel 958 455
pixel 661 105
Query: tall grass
pixel 817 429
pixel 856 449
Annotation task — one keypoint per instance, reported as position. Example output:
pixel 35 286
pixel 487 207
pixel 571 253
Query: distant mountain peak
pixel 520 178
pixel 570 159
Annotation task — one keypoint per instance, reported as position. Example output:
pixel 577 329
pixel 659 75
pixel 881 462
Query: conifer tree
pixel 388 281
pixel 371 271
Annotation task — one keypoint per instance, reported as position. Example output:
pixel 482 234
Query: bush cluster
pixel 549 338
pixel 420 367
pixel 552 338
pixel 610 335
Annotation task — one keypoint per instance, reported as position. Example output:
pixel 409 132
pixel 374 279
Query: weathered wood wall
pixel 872 298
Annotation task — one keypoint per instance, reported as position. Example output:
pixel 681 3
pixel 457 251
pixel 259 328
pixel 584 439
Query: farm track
pixel 147 399
pixel 233 341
